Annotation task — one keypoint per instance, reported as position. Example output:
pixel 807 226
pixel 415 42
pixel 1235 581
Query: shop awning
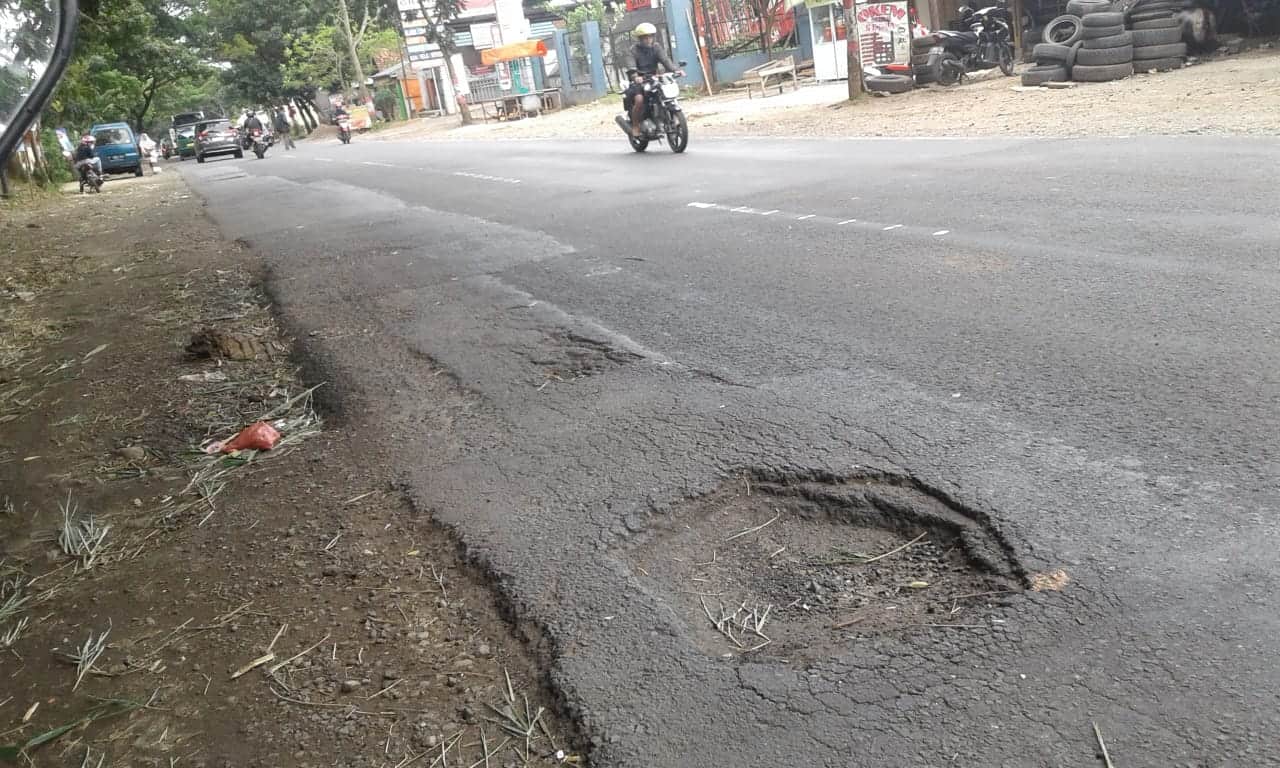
pixel 491 56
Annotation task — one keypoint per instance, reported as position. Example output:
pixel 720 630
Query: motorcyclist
pixel 642 62
pixel 251 122
pixel 87 155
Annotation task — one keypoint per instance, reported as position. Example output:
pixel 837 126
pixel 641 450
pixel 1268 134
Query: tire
pixel 1050 53
pixel 1085 7
pixel 1101 58
pixel 678 138
pixel 889 83
pixel 1145 16
pixel 638 143
pixel 199 158
pixel 1096 33
pixel 1170 51
pixel 1112 41
pixel 1200 26
pixel 1158 65
pixel 1145 37
pixel 261 153
pixel 1167 22
pixel 137 171
pixel 1101 74
pixel 1039 75
pixel 1152 5
pixel 1071 57
pixel 239 154
pixel 923 75
pixel 1006 60
pixel 1103 19
pixel 1064 30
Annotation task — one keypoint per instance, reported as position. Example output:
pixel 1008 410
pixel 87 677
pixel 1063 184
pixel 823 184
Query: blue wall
pixel 803 33
pixel 731 69
pixel 685 47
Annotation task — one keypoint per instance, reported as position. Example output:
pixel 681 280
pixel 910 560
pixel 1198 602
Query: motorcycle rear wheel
pixel 1005 53
pixel 261 153
pixel 948 70
pixel 678 134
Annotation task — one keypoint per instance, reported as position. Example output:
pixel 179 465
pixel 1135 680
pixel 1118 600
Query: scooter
pixel 344 130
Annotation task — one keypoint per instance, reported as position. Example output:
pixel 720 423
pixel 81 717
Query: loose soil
pixel 283 608
pixel 1227 95
pixel 801 570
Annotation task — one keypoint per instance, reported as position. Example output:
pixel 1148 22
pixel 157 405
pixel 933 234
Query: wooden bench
pixel 758 76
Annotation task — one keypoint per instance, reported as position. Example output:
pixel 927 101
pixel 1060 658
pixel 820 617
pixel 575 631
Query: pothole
pixel 564 356
pixel 801 567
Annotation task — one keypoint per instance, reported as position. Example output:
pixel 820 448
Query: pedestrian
pixel 284 129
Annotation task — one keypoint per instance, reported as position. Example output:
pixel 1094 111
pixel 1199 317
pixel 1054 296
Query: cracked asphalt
pixel 1076 339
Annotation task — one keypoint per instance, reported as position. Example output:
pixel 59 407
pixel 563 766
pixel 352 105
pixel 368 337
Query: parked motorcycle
pixel 988 43
pixel 344 130
pixel 664 117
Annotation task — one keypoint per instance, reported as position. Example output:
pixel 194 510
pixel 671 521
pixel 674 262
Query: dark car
pixel 217 137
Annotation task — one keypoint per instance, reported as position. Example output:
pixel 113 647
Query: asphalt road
pixel 1076 339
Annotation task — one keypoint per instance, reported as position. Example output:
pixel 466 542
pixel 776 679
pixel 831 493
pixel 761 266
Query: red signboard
pixel 636 5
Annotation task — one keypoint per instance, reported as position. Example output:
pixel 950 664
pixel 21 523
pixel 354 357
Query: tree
pixel 127 53
pixel 353 42
pixel 767 13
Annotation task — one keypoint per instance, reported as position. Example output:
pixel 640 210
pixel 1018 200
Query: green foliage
pixel 387 99
pixel 593 10
pixel 127 52
pixel 56 167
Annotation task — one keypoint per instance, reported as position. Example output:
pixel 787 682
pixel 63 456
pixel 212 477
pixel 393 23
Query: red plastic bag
pixel 259 436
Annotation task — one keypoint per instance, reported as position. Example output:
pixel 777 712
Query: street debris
pixel 1049 581
pixel 213 343
pixel 259 436
pixel 208 377
pixel 1102 747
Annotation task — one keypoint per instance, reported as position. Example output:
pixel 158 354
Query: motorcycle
pixel 664 117
pixel 344 130
pixel 258 140
pixel 89 177
pixel 988 43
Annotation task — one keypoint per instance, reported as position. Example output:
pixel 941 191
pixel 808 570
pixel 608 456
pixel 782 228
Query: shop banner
pixel 884 33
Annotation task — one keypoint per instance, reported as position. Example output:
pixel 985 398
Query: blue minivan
pixel 118 148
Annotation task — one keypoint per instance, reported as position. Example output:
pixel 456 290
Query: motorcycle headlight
pixel 670 90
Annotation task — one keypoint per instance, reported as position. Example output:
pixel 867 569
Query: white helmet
pixel 645 30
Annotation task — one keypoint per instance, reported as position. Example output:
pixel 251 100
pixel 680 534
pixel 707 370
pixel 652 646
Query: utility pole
pixel 345 19
pixel 853 44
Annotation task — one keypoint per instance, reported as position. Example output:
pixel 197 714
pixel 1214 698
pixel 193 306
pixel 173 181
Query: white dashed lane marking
pixel 816 219
pixel 486 177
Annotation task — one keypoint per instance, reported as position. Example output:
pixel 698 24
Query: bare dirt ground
pixel 1228 95
pixel 164 607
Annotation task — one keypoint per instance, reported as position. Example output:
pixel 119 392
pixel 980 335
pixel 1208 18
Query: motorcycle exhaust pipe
pixel 624 123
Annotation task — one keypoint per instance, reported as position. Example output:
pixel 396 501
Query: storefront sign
pixel 884 32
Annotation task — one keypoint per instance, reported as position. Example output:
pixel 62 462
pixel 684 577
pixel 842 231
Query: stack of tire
pixel 1157 36
pixel 1056 56
pixel 1106 47
pixel 920 59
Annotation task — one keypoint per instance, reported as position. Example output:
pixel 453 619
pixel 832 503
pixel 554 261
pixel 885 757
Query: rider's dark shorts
pixel 629 95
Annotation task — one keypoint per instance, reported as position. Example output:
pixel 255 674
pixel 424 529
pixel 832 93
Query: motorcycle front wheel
pixel 1005 53
pixel 261 153
pixel 639 143
pixel 678 132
